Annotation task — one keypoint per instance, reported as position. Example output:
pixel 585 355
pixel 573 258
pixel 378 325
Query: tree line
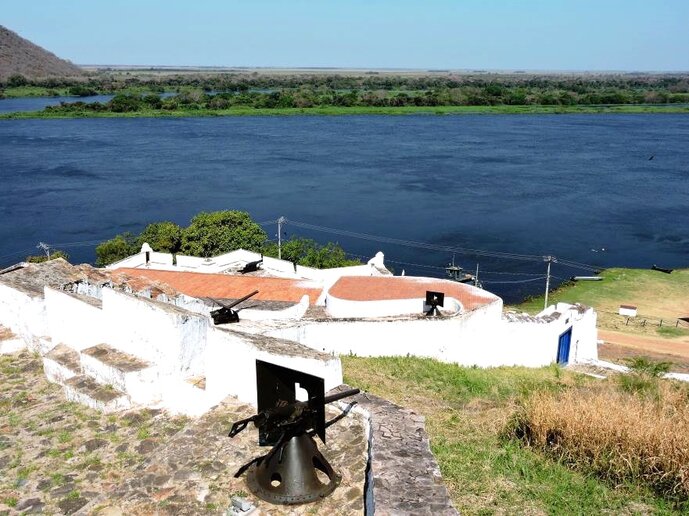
pixel 220 91
pixel 214 233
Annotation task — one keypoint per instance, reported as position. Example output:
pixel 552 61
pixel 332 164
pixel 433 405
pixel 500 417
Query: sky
pixel 627 35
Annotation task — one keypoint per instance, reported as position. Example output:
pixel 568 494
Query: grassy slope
pixel 655 294
pixel 466 410
pixel 334 110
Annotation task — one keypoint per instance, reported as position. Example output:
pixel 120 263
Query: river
pixel 601 190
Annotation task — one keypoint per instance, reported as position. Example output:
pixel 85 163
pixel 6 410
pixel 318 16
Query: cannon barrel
pixel 339 395
pixel 241 299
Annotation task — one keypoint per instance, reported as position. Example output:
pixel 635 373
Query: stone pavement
pixel 58 457
pixel 194 472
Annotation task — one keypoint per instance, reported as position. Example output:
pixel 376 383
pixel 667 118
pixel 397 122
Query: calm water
pixel 15 105
pixel 581 187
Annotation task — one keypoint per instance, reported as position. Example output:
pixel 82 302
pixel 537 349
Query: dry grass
pixel 640 436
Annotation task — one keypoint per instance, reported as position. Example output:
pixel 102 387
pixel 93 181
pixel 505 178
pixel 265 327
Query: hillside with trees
pixel 22 61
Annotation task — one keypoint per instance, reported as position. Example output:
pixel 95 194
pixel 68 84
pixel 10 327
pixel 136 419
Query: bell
pixel 289 476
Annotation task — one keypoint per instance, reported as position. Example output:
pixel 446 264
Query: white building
pixel 142 329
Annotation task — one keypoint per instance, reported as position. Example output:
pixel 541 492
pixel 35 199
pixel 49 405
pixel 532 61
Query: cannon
pixel 288 473
pixel 226 313
pixel 252 266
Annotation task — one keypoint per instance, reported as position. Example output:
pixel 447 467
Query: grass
pixel 487 471
pixel 657 296
pixel 634 435
pixel 356 110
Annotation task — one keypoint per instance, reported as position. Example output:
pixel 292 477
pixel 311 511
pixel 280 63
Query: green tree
pixel 40 258
pixel 304 251
pixel 164 237
pixel 116 249
pixel 214 233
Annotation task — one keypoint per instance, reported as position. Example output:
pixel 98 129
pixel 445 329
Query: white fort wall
pixel 25 315
pixel 171 338
pixel 73 321
pixel 480 337
pixel 231 363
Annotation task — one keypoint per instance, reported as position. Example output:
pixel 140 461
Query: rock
pixel 94 444
pixel 146 446
pixel 62 490
pixel 30 505
pixel 71 505
pixel 122 448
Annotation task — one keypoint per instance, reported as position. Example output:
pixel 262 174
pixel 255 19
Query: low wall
pixel 73 321
pixel 231 363
pixel 24 314
pixel 172 338
pixel 480 337
pixel 343 308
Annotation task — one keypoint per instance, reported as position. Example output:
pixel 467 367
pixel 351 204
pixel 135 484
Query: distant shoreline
pixel 360 110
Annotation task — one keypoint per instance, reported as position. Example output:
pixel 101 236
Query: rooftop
pixel 224 286
pixel 354 288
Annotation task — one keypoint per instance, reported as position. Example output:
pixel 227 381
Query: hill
pixel 20 56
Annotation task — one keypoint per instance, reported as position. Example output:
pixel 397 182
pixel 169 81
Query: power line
pixel 513 282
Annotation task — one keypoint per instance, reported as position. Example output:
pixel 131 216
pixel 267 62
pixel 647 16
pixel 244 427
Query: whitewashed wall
pixel 343 308
pixel 162 334
pixel 480 337
pixel 25 315
pixel 73 322
pixel 231 365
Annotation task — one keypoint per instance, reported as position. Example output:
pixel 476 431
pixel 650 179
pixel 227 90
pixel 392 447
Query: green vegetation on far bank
pixel 355 110
pixel 471 417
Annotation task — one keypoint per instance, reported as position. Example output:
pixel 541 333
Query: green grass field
pixel 467 411
pixel 335 110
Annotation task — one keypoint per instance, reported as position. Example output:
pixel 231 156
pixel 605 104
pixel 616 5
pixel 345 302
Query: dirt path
pixel 619 346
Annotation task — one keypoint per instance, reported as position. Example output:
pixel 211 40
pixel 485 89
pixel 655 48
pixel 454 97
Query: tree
pixel 218 232
pixel 164 237
pixel 116 249
pixel 304 251
pixel 40 258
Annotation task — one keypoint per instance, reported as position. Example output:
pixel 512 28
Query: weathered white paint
pixel 120 403
pixel 142 386
pixel 236 260
pixel 171 338
pixel 24 314
pixel 345 308
pixel 231 365
pixel 73 321
pixel 56 372
pixel 480 337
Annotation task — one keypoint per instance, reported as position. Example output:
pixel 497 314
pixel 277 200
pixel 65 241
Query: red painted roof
pixel 224 286
pixel 358 288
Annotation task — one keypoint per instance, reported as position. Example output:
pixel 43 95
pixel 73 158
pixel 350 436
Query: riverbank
pixel 356 110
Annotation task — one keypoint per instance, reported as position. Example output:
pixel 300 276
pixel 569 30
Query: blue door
pixel 563 347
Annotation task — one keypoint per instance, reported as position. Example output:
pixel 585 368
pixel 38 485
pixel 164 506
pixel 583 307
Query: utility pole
pixel 281 221
pixel 549 259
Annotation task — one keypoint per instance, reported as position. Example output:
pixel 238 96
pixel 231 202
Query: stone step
pixel 85 390
pixel 61 363
pixel 123 371
pixel 9 342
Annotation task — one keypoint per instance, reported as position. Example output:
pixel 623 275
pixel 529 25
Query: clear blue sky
pixel 476 34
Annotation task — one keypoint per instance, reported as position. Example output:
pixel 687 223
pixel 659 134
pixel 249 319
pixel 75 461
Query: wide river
pixel 601 190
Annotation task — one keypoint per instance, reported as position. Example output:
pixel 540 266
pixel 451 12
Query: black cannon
pixel 288 474
pixel 252 266
pixel 226 313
